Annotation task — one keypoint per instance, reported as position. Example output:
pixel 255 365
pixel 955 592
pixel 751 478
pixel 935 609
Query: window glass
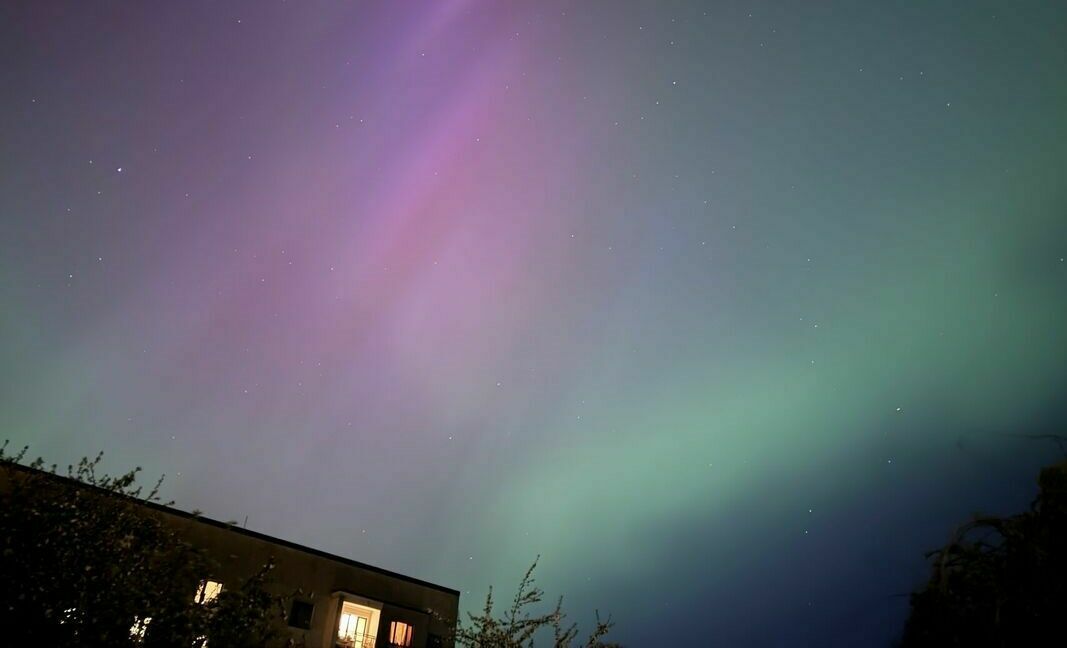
pixel 399 634
pixel 300 615
pixel 208 591
pixel 353 628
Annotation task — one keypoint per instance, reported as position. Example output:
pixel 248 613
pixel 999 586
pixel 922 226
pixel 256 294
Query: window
pixel 399 634
pixel 208 591
pixel 353 628
pixel 357 623
pixel 300 615
pixel 139 628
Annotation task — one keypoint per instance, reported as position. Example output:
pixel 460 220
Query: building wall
pixel 312 576
pixel 322 582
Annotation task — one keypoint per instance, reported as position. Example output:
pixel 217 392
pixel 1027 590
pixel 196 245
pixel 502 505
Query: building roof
pixel 246 532
pixel 299 547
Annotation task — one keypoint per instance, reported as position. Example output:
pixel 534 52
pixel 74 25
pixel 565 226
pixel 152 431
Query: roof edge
pixel 236 529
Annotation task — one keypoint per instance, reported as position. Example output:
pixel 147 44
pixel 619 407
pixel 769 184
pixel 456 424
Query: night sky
pixel 726 309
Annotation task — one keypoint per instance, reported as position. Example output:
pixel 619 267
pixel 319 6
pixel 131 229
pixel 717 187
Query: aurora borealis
pixel 725 309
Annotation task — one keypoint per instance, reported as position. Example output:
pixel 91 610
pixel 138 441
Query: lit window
pixel 399 634
pixel 139 628
pixel 357 624
pixel 353 628
pixel 208 591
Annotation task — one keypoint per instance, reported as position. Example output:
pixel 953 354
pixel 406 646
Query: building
pixel 344 603
pixel 340 603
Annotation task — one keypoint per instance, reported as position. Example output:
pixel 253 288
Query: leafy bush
pixel 84 560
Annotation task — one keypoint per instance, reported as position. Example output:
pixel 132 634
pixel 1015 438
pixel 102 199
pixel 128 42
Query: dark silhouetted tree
pixel 999 581
pixel 518 627
pixel 83 560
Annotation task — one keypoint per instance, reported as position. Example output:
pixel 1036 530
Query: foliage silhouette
pixel 83 558
pixel 519 627
pixel 999 581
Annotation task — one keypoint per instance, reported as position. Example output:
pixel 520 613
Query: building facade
pixel 340 603
pixel 332 601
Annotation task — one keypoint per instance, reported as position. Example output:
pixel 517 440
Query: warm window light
pixel 208 591
pixel 399 634
pixel 357 625
pixel 139 627
pixel 353 628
